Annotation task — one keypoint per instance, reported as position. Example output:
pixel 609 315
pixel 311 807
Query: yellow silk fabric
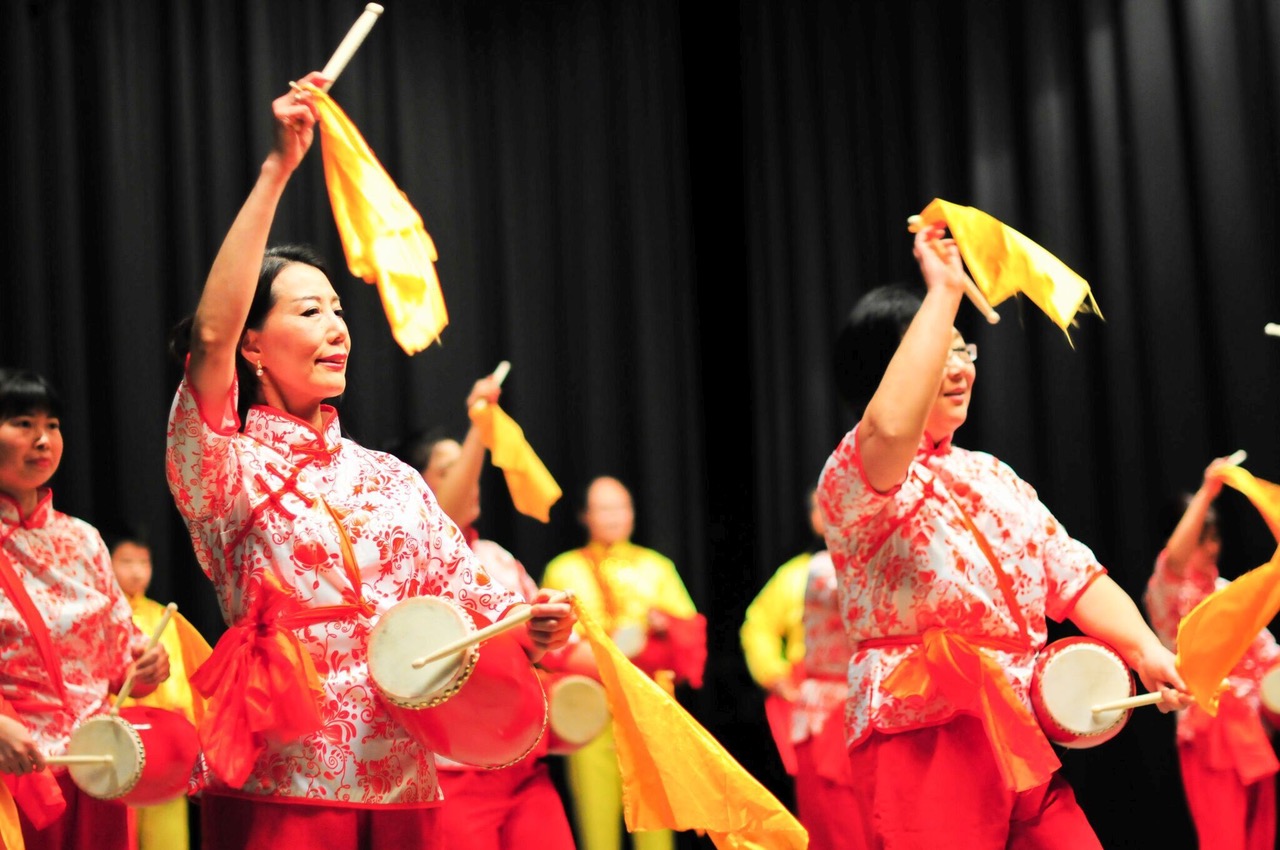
pixel 1003 262
pixel 533 490
pixel 675 775
pixel 10 826
pixel 382 234
pixel 1215 635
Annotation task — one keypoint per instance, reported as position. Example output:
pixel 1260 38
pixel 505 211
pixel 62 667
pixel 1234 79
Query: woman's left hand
pixel 552 620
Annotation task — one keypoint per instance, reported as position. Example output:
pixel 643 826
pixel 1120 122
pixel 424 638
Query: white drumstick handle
pixel 1237 457
pixel 478 636
pixel 102 759
pixel 500 373
pixel 1272 329
pixel 350 43
pixel 127 687
pixel 1129 702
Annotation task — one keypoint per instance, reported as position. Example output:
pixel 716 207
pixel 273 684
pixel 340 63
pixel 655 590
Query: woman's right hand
pixel 18 751
pixel 939 258
pixel 296 115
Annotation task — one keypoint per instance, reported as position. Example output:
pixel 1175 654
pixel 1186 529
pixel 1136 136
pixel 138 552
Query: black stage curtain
pixel 660 212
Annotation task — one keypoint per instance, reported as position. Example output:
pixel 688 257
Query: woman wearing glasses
pixel 948 566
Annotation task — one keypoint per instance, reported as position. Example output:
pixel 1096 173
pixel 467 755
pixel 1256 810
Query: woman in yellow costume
pixel 163 826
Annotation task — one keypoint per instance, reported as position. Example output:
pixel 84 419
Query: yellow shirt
pixel 619 584
pixel 772 632
pixel 183 643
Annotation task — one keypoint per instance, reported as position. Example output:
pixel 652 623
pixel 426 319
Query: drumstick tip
pixel 1272 329
pixel 373 7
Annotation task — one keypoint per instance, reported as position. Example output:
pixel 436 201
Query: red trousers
pixel 235 823
pixel 87 824
pixel 940 787
pixel 827 809
pixel 515 807
pixel 1228 814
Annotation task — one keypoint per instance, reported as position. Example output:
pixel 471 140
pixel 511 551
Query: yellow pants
pixel 596 786
pixel 164 826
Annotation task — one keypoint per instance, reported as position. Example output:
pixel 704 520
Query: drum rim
pixel 459 679
pixel 133 734
pixel 1043 713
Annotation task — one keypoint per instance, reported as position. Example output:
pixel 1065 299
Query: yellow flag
pixel 382 234
pixel 533 490
pixel 1215 635
pixel 1003 263
pixel 1264 495
pixel 10 826
pixel 675 775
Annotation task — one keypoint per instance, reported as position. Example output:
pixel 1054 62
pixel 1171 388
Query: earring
pixel 258 371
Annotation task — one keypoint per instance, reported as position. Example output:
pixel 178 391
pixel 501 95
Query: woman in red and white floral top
pixel 309 537
pixel 67 638
pixel 948 565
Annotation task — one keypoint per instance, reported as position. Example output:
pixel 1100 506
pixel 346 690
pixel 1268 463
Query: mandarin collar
pixel 928 450
pixel 11 513
pixel 290 436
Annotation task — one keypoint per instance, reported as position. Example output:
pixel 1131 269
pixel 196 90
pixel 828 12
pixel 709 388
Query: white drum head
pixel 577 709
pixel 113 736
pixel 1269 687
pixel 1079 677
pixel 411 629
pixel 630 639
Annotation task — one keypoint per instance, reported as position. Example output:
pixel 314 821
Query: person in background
pixel 309 539
pixel 69 638
pixel 518 805
pixel 772 636
pixel 637 596
pixel 1227 761
pixel 948 567
pixel 164 826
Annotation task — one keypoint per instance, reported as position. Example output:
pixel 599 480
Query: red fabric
pixel 830 756
pixel 778 712
pixel 1234 740
pixel 38 795
pixel 827 809
pixel 515 807
pixel 86 824
pixel 940 787
pixel 259 682
pixel 1228 814
pixel 682 649
pixel 234 823
pixel 950 665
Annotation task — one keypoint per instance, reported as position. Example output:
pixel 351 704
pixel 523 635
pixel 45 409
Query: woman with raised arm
pixel 948 565
pixel 69 641
pixel 308 538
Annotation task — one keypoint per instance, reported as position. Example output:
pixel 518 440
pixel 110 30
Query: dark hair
pixel 125 533
pixel 23 391
pixel 416 449
pixel 868 339
pixel 274 261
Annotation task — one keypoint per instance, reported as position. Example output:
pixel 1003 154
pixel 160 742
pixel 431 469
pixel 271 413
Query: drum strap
pixel 1002 578
pixel 11 584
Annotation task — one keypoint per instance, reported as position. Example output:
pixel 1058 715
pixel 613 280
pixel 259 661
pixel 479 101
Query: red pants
pixel 1228 814
pixel 825 808
pixel 87 824
pixel 940 787
pixel 235 823
pixel 515 807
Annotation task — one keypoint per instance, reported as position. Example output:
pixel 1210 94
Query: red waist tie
pixel 950 666
pixel 261 683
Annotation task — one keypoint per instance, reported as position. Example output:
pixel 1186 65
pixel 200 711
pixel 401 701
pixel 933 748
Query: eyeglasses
pixel 965 354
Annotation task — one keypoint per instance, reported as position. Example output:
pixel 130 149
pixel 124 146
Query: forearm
pixel 1104 611
pixel 233 278
pixel 1186 535
pixel 459 486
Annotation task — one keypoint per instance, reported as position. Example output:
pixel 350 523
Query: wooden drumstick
pixel 1272 329
pixel 499 375
pixel 915 224
pixel 1237 457
pixel 481 635
pixel 1128 702
pixel 155 639
pixel 350 43
pixel 102 759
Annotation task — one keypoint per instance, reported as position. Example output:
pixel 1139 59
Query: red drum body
pixel 577 711
pixel 153 752
pixel 1071 676
pixel 482 706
